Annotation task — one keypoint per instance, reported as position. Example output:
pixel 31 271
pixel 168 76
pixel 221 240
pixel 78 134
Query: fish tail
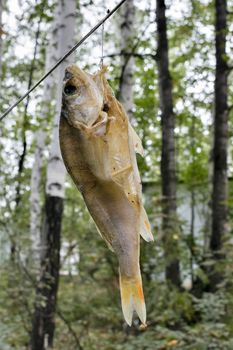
pixel 132 298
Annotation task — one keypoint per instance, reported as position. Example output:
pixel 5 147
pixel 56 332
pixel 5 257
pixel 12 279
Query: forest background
pixel 172 72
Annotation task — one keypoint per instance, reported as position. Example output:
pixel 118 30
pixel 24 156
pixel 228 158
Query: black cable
pixel 109 14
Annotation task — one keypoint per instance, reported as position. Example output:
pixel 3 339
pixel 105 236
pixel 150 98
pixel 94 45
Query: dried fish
pixel 99 147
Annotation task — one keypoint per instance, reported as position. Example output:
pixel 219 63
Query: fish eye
pixel 70 89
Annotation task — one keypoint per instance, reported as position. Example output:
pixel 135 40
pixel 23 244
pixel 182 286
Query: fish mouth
pixel 74 83
pixel 82 96
pixel 70 89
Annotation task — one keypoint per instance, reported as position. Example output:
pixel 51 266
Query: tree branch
pixel 130 54
pixel 72 332
pixel 134 48
pixel 58 311
pixel 25 118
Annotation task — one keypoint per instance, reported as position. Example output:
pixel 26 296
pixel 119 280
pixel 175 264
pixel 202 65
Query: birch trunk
pixel 46 294
pixel 168 171
pixel 219 194
pixel 35 216
pixel 23 153
pixel 48 95
pixel 127 34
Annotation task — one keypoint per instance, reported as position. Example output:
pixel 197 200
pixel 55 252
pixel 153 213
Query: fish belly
pixel 117 218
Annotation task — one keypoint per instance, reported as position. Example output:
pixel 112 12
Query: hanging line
pixel 108 15
pixel 102 46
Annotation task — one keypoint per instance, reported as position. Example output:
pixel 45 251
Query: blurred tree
pixel 1 33
pixel 219 195
pixel 46 294
pixel 52 55
pixel 127 35
pixel 168 172
pixel 25 123
pixel 88 310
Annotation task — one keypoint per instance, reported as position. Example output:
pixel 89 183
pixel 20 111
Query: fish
pixel 99 146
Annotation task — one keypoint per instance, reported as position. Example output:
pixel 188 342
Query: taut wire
pixel 101 22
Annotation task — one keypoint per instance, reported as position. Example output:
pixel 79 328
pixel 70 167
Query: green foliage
pixel 89 301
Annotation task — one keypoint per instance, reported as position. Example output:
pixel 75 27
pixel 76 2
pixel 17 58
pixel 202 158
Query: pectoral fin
pixel 121 175
pixel 99 129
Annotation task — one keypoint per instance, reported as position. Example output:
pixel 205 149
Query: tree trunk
pixel 219 195
pixel 168 173
pixel 23 153
pixel 48 94
pixel 192 232
pixel 46 295
pixel 127 34
pixel 35 209
pixel 1 29
pixel 44 317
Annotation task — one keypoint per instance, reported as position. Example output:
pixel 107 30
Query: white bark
pixel 62 33
pixel 56 170
pixel 35 192
pixel 48 94
pixel 127 35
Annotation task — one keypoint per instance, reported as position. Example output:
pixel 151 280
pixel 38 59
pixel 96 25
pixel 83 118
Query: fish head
pixel 82 97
